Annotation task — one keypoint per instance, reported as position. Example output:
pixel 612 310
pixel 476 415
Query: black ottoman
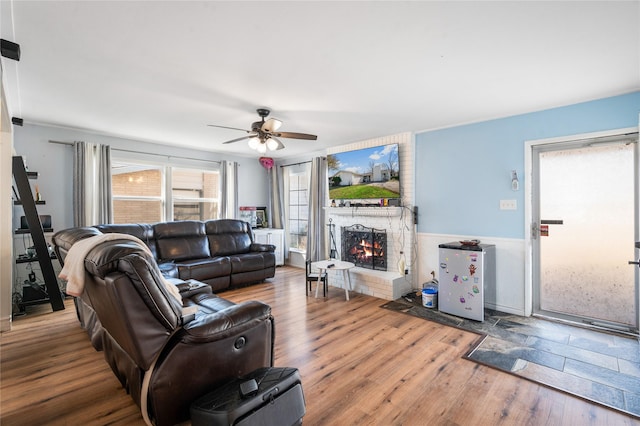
pixel 268 396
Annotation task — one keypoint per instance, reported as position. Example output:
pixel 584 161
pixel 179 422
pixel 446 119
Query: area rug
pixel 599 367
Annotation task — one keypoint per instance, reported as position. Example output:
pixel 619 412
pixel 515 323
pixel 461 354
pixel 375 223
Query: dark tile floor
pixel 601 367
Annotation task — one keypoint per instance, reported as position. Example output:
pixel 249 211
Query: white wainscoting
pixel 510 267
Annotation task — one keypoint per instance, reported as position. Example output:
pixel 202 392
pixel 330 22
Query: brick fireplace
pixel 391 283
pixel 385 280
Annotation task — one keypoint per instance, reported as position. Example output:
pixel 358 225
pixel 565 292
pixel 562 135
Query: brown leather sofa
pixel 163 359
pixel 220 252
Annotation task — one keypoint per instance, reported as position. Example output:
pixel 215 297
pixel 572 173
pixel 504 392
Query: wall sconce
pixel 515 185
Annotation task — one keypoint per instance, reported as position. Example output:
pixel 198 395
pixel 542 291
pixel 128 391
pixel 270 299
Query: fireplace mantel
pixel 364 211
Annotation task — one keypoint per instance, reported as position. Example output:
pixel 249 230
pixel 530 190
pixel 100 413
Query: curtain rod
pixel 146 153
pixel 296 164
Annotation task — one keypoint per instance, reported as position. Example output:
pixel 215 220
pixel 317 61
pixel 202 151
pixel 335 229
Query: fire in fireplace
pixel 365 247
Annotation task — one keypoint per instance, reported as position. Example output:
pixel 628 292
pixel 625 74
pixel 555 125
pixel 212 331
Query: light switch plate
pixel 508 205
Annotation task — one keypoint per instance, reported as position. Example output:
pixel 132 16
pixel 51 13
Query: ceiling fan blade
pixel 271 125
pixel 232 128
pixel 294 135
pixel 280 144
pixel 239 139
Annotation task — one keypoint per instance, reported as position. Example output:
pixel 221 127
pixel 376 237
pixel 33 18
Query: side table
pixel 336 265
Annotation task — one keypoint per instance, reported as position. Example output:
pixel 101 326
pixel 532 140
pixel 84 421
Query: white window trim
pixel 166 168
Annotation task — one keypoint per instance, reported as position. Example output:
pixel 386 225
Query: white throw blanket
pixel 75 274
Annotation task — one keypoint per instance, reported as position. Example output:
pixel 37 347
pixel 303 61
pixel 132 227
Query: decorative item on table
pixel 261 217
pixel 248 214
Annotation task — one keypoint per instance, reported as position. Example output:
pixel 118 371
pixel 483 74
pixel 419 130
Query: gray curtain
pixel 91 184
pixel 318 195
pixel 228 189
pixel 223 189
pixel 276 210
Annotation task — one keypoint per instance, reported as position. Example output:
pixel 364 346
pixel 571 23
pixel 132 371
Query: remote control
pixel 331 265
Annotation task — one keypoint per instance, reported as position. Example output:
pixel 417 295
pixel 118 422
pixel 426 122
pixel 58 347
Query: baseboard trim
pixel 5 324
pixel 506 309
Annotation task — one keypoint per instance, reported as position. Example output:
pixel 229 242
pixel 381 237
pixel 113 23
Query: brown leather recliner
pixel 145 337
pixel 220 253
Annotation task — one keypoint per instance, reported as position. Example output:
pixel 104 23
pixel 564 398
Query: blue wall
pixel 463 172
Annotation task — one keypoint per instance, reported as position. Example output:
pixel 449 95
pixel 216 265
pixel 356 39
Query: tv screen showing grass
pixel 369 173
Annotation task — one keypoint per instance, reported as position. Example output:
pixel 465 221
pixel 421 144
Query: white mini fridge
pixel 467 276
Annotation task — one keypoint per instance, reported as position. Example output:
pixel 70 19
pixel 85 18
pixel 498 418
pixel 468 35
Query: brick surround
pixel 397 221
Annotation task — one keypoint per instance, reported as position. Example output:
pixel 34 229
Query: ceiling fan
pixel 264 134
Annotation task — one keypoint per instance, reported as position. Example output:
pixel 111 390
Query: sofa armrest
pixel 227 322
pixel 190 288
pixel 257 247
pixel 168 268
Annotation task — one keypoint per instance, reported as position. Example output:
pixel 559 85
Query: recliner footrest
pixel 278 400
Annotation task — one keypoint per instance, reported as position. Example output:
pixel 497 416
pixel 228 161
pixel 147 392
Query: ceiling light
pixel 272 144
pixel 262 148
pixel 254 142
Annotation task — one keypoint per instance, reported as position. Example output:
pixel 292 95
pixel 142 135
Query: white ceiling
pixel 346 71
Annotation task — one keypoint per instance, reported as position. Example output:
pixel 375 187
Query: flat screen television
pixel 365 174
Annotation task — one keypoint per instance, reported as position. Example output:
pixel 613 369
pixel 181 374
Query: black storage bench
pixel 270 396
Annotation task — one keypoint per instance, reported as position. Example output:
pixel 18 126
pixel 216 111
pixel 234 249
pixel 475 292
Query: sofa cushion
pixel 204 269
pixel 168 269
pixel 208 303
pixel 250 277
pixel 228 236
pixel 143 231
pixel 181 240
pixel 251 262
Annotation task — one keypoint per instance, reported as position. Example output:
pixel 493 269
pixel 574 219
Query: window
pixel 139 194
pixel 298 208
pixel 195 194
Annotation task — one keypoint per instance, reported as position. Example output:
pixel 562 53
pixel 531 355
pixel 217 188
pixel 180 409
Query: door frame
pixel 528 203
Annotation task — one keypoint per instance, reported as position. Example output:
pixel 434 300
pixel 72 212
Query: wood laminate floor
pixel 360 365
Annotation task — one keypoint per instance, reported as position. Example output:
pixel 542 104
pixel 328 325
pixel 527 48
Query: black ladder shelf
pixel 21 177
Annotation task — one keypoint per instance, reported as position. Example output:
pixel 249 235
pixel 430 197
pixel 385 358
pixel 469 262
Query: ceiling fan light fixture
pixel 254 142
pixel 272 144
pixel 264 134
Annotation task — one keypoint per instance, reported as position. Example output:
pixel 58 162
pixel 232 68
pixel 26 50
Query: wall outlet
pixel 508 205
